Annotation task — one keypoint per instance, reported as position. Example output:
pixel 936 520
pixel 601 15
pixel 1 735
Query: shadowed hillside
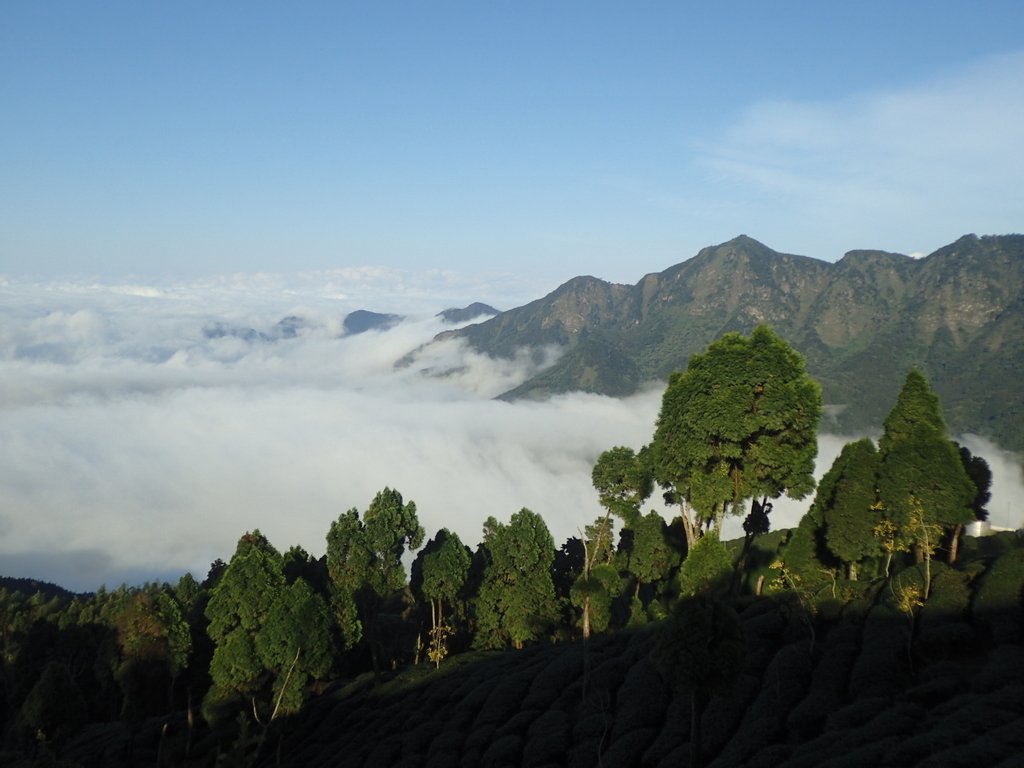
pixel 844 685
pixel 839 676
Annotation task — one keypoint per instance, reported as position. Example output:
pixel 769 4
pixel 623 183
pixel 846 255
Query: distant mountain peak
pixel 363 320
pixel 465 314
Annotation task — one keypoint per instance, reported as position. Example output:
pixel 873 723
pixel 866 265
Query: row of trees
pixel 255 637
pixel 912 493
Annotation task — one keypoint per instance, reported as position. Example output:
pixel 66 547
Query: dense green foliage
pixel 516 602
pixel 921 468
pixel 623 481
pixel 847 503
pixel 740 423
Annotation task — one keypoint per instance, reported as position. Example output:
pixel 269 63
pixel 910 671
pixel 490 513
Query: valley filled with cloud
pixel 144 428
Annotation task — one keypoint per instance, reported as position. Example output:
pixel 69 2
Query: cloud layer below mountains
pixel 136 443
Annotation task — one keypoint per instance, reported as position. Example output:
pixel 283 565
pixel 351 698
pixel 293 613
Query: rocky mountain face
pixel 862 323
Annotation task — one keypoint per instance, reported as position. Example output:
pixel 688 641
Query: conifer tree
pixel 921 474
pixel 364 561
pixel 846 504
pixel 440 573
pixel 270 637
pixel 294 645
pixel 516 603
pixel 645 551
pixel 237 611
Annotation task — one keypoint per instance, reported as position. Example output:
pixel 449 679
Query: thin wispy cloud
pixel 919 164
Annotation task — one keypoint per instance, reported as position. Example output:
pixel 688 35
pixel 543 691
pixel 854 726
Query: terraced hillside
pixel 853 684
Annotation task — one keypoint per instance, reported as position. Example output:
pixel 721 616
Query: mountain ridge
pixel 861 323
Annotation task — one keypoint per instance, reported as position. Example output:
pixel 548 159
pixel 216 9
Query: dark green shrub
pixel 504 752
pixel 997 600
pixel 882 665
pixel 674 733
pixel 829 681
pixel 783 685
pixel 856 713
pixel 504 698
pixel 628 748
pixel 641 699
pixel 563 670
pixel 548 739
pixel 518 724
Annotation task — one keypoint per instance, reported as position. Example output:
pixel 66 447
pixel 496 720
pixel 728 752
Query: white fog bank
pixel 143 430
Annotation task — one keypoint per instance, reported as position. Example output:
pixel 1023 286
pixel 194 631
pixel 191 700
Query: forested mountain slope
pixel 861 323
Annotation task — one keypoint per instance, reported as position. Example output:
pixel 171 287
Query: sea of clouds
pixel 144 428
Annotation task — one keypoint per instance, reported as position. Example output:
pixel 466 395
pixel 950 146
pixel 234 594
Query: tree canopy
pixel 740 422
pixel 623 480
pixel 364 562
pixel 516 602
pixel 846 503
pixel 921 473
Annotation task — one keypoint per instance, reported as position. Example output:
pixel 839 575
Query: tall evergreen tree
pixel 237 611
pixel 270 637
pixel 439 574
pixel 846 503
pixel 922 479
pixel 981 475
pixel 645 552
pixel 364 561
pixel 740 423
pixel 294 645
pixel 516 603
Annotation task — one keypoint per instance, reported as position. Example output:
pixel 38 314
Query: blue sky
pixel 550 138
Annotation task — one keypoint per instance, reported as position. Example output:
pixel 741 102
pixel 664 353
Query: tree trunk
pixel 586 617
pixel 851 571
pixel 954 543
pixel 689 528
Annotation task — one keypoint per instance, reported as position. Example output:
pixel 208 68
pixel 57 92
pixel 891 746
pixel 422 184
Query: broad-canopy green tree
pixel 740 423
pixel 645 551
pixel 516 602
pixel 623 480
